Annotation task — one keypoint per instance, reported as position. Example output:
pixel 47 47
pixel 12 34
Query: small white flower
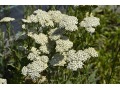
pixel 63 45
pixel 23 26
pixel 56 16
pixel 3 81
pixel 90 22
pixel 82 55
pixel 35 51
pixel 39 38
pixel 69 23
pixel 44 49
pixel 78 56
pixel 34 69
pixel 24 70
pixel 32 56
pixel 74 65
pixel 7 19
pixel 90 29
pixel 44 18
pixel 71 55
pixel 43 58
pixel 76 59
pixel 42 79
pixel 92 52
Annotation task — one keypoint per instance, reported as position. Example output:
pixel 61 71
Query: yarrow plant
pixel 89 22
pixel 5 44
pixel 52 45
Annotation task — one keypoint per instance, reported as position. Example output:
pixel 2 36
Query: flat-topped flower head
pixel 77 58
pixel 34 69
pixel 63 45
pixel 69 23
pixel 92 52
pixel 45 49
pixel 7 19
pixel 90 21
pixel 80 55
pixel 74 65
pixel 39 38
pixel 44 18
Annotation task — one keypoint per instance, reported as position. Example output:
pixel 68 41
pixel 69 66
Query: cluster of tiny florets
pixel 34 69
pixel 90 22
pixel 38 65
pixel 44 49
pixel 39 38
pixel 3 81
pixel 63 45
pixel 74 65
pixel 92 52
pixel 69 23
pixel 56 16
pixel 41 17
pixel 53 47
pixel 76 59
pixel 33 54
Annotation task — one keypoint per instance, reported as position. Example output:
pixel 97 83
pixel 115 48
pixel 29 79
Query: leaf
pixel 92 77
pixel 1 55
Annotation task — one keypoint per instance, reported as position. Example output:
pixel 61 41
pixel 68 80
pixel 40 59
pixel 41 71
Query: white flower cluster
pixel 56 16
pixel 38 65
pixel 90 22
pixel 44 18
pixel 76 59
pixel 34 69
pixel 74 65
pixel 7 19
pixel 92 52
pixel 51 18
pixel 69 23
pixel 64 21
pixel 3 81
pixel 23 26
pixel 54 45
pixel 41 17
pixel 34 54
pixel 63 45
pixel 39 38
pixel 42 79
pixel 45 49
